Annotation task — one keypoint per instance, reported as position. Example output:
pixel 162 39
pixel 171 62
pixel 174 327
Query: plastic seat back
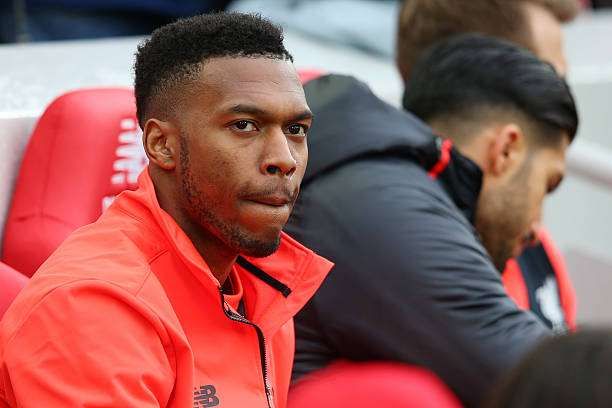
pixel 85 149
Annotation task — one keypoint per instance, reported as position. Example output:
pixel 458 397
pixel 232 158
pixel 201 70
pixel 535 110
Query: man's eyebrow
pixel 250 109
pixel 254 110
pixel 306 114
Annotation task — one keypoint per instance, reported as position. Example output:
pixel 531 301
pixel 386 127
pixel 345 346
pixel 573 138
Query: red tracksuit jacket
pixel 127 314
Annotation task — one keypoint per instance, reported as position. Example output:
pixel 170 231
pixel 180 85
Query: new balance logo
pixel 205 397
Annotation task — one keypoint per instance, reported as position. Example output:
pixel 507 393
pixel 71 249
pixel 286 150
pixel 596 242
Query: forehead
pixel 271 84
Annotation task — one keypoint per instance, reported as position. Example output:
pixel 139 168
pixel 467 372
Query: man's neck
pixel 474 152
pixel 219 258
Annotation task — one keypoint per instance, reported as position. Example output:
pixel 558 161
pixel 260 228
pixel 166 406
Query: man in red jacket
pixel 182 294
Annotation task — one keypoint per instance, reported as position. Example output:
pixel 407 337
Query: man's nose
pixel 278 158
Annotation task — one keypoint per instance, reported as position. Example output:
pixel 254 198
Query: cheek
pixel 300 154
pixel 215 171
pixel 536 193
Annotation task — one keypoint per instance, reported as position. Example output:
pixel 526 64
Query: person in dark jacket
pixel 536 280
pixel 418 229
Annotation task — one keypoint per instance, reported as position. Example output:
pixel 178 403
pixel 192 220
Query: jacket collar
pixel 275 287
pixel 462 181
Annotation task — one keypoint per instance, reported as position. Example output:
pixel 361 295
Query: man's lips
pixel 272 200
pixel 275 198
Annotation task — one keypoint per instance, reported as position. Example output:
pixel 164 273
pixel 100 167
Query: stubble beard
pixel 200 207
pixel 501 218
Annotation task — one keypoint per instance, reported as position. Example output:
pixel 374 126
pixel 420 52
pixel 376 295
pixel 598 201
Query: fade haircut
pixel 425 22
pixel 175 53
pixel 471 79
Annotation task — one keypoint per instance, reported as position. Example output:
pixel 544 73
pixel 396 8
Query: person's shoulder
pixel 117 253
pixel 88 323
pixel 93 262
pixel 391 197
pixel 64 301
pixel 372 179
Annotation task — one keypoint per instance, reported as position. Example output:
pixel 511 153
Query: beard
pixel 201 210
pixel 502 217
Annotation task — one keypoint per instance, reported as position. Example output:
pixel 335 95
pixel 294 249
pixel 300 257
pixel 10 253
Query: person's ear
pixel 506 148
pixel 160 141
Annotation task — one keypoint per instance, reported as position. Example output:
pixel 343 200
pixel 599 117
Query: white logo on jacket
pixel 550 305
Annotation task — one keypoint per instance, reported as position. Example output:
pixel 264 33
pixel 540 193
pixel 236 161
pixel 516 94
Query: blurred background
pixel 50 47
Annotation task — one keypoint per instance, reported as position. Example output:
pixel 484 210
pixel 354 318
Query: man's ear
pixel 160 140
pixel 505 148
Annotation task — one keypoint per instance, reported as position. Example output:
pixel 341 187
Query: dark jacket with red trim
pixel 412 281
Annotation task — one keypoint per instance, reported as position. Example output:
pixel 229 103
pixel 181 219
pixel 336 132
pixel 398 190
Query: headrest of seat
pixel 85 149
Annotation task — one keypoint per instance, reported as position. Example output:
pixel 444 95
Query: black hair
pixel 566 371
pixel 469 75
pixel 174 53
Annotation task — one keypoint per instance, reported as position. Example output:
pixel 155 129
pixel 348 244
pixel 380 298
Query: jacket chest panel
pixel 225 354
pixel 227 361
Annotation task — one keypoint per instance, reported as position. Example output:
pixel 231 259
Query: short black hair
pixel 175 52
pixel 467 76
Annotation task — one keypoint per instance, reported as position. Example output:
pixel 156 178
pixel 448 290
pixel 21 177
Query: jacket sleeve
pixel 89 345
pixel 411 282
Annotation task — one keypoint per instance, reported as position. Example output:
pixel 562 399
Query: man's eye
pixel 244 126
pixel 297 130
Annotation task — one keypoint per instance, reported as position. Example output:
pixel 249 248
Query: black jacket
pixel 412 281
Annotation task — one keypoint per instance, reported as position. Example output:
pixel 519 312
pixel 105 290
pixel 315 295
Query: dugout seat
pixel 85 149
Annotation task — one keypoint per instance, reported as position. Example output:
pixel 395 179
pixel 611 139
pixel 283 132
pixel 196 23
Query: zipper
pixel 262 345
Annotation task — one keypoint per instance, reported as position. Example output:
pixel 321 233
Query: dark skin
pixel 228 162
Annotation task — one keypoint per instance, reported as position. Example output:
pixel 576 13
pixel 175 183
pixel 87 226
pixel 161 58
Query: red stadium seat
pixel 85 149
pixel 372 384
pixel 11 282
